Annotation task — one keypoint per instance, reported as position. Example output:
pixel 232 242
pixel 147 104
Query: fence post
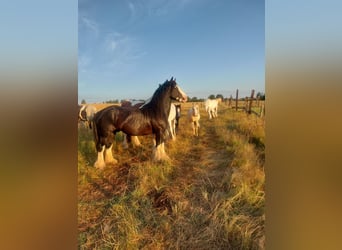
pixel 251 101
pixel 262 110
pixel 236 100
pixel 258 101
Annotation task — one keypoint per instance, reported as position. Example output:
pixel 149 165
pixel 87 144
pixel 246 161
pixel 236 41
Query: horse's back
pixel 91 111
pixel 209 103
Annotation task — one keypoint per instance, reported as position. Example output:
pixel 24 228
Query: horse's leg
pixel 173 130
pixel 135 141
pixel 159 150
pixel 197 126
pixel 124 143
pixel 100 160
pixel 194 127
pixel 109 159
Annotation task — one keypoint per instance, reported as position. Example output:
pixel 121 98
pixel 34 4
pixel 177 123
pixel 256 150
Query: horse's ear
pixel 171 79
pixel 175 79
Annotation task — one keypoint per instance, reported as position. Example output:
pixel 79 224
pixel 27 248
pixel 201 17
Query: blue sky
pixel 126 48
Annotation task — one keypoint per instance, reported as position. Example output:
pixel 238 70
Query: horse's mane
pixel 153 106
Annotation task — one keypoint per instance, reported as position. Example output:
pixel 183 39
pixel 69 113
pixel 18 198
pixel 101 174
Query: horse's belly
pixel 137 130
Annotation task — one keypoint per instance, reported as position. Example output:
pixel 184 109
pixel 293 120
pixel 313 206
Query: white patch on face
pixel 195 110
pixel 184 97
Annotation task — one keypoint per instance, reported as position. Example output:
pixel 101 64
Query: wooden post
pixel 251 101
pixel 230 101
pixel 258 101
pixel 262 110
pixel 237 99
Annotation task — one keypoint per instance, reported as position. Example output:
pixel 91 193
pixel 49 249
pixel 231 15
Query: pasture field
pixel 210 196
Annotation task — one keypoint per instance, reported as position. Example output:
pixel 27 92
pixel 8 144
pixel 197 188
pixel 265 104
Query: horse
pixel 127 138
pixel 211 107
pixel 86 114
pixel 194 117
pixel 150 118
pixel 178 114
pixel 174 115
pixel 172 121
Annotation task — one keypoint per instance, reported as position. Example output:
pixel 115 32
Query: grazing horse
pixel 86 114
pixel 150 118
pixel 194 117
pixel 211 107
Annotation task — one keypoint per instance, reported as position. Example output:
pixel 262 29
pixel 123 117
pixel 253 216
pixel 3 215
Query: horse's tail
pixel 80 113
pixel 96 136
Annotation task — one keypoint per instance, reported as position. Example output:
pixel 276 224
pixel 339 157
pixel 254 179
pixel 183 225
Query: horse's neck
pixel 159 107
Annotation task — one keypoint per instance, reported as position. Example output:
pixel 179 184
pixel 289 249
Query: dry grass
pixel 210 196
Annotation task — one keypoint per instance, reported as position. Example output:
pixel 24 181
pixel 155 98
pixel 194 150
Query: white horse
pixel 86 114
pixel 194 117
pixel 211 107
pixel 172 121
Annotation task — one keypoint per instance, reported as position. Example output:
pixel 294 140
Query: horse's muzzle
pixel 182 99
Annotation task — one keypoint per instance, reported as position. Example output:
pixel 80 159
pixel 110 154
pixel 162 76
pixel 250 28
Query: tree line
pixel 260 96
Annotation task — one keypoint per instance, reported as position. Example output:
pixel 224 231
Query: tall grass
pixel 210 196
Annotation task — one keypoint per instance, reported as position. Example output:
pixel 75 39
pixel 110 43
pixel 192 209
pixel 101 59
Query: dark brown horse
pixel 178 114
pixel 150 118
pixel 128 138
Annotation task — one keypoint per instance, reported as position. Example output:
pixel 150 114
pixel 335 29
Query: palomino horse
pixel 211 107
pixel 86 114
pixel 150 118
pixel 194 117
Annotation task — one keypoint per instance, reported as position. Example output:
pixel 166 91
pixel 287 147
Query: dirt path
pixel 200 163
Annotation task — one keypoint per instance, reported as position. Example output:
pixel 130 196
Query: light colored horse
pixel 194 117
pixel 211 107
pixel 86 114
pixel 172 121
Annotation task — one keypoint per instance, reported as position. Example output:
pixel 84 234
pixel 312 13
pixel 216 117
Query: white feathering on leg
pixel 109 156
pixel 100 160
